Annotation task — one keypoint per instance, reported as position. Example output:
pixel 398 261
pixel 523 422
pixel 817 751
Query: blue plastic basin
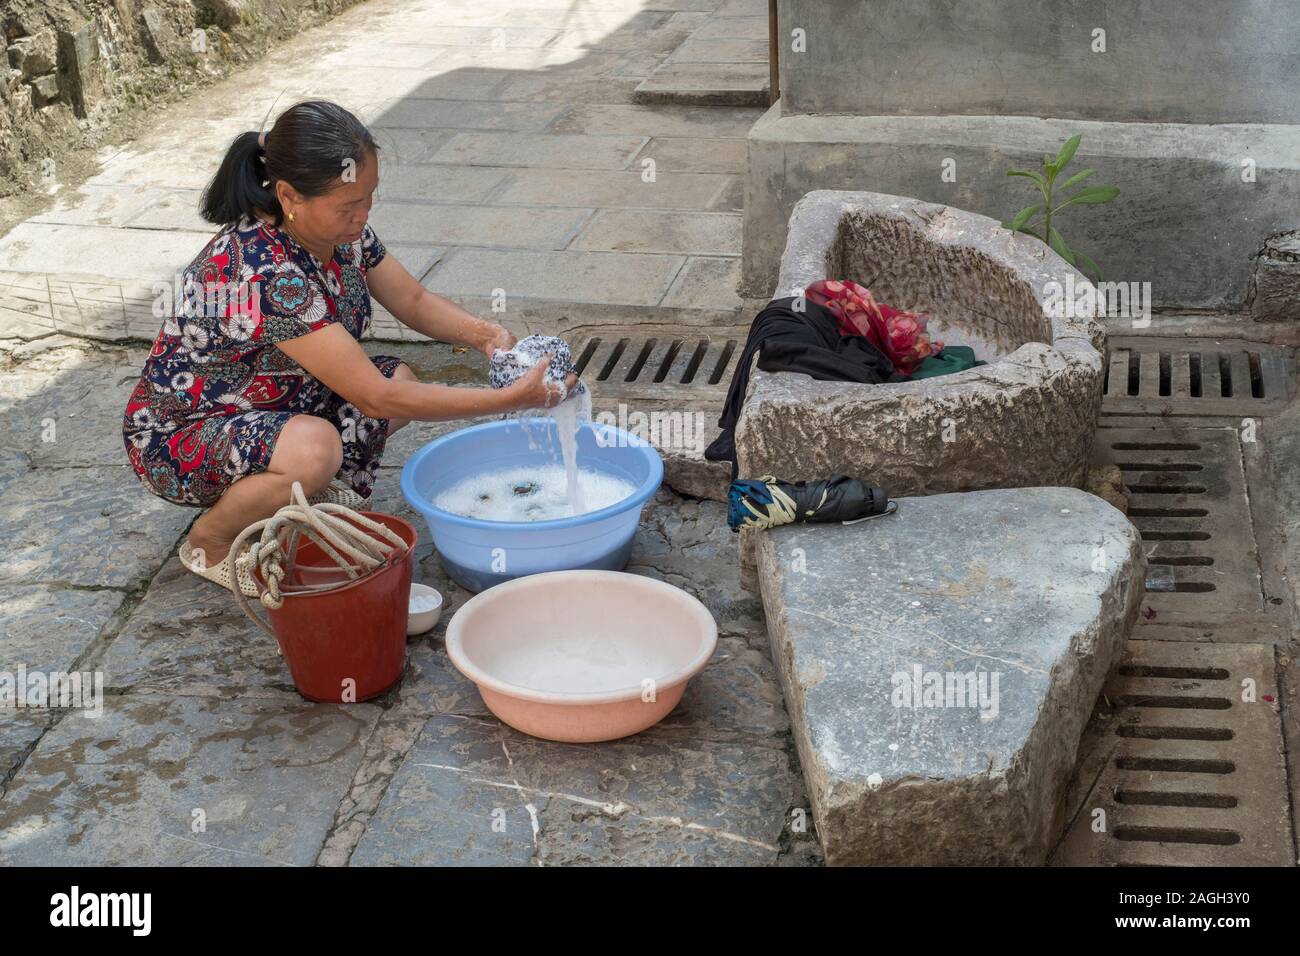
pixel 477 553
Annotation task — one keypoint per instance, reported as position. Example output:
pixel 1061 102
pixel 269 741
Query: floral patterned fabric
pixel 215 391
pixel 900 335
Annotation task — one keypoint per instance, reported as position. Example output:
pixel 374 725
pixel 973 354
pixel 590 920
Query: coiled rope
pixel 336 529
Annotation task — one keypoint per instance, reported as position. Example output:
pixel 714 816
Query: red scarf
pixel 900 335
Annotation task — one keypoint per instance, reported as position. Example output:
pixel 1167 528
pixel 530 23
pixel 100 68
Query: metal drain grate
pixel 700 362
pixel 1155 376
pixel 1186 772
pixel 1187 496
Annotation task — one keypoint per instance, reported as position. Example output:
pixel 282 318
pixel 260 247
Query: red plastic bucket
pixel 347 644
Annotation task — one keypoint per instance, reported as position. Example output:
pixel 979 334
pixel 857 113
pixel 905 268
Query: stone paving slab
pixel 706 282
pixel 93 526
pixel 740 28
pixel 410 147
pixel 722 50
pixel 516 36
pixel 597 119
pixel 600 277
pixel 679 154
pixel 48 629
pixel 189 636
pixel 399 182
pixel 669 189
pixel 478 225
pixel 706 84
pixel 416 259
pixel 176 211
pixel 552 150
pixel 686 233
pixel 420 113
pixel 464 774
pixel 67 408
pixel 19 729
pixel 552 88
pixel 98 250
pixel 122 789
pixel 99 205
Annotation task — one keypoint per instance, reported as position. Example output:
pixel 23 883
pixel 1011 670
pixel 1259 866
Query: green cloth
pixel 953 358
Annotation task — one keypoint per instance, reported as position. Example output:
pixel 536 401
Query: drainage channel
pixel 1187 497
pixel 1162 376
pixel 1187 767
pixel 658 367
pixel 1183 763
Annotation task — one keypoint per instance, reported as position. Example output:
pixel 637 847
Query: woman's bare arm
pixel 429 314
pixel 332 355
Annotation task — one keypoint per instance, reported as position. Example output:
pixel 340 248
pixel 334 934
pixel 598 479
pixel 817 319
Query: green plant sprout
pixel 1053 202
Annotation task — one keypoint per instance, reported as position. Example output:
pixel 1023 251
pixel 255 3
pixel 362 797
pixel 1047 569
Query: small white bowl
pixel 418 623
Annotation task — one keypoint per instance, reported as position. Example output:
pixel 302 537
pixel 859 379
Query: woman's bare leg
pixel 309 450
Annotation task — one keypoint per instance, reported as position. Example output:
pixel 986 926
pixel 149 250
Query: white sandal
pixel 338 494
pixel 219 573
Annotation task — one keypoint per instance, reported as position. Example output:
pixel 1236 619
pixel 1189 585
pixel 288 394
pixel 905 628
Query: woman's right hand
pixel 533 390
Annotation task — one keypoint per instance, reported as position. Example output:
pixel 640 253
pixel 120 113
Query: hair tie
pixel 261 141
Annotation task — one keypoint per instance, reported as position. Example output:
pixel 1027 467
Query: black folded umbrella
pixel 767 502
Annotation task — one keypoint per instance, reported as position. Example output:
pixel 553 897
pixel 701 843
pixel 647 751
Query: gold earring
pixel 291 217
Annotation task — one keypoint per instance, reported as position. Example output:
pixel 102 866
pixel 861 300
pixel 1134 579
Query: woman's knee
pixel 309 450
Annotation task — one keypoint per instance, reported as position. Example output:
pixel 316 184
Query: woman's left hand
pixel 497 338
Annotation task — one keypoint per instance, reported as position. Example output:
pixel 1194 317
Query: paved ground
pixel 514 158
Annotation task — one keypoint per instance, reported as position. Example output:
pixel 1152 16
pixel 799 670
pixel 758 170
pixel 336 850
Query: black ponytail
pixel 311 146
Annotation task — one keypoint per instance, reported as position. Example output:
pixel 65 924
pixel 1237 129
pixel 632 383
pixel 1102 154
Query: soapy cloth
pixel 508 366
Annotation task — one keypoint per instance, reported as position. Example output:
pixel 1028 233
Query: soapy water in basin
pixel 531 493
pixel 541 492
pixel 578 663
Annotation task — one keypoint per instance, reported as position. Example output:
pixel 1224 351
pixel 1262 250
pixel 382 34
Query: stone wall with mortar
pixel 75 70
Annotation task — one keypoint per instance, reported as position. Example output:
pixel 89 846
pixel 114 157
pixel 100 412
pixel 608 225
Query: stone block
pixel 45 90
pixel 223 13
pixel 159 37
pixel 939 667
pixel 1275 285
pixel 80 68
pixel 35 55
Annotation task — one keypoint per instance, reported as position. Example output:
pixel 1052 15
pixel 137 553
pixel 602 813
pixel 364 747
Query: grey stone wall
pixel 1181 61
pixel 1196 204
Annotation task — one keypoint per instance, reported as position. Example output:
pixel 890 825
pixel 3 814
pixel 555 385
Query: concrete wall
pixel 1182 61
pixel 1187 219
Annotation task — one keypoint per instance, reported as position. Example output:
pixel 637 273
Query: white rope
pixel 782 509
pixel 333 528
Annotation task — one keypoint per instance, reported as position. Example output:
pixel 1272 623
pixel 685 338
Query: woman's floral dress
pixel 215 390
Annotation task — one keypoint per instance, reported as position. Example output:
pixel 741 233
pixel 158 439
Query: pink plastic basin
pixel 581 656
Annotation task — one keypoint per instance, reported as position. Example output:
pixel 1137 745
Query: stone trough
pixel 1025 419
